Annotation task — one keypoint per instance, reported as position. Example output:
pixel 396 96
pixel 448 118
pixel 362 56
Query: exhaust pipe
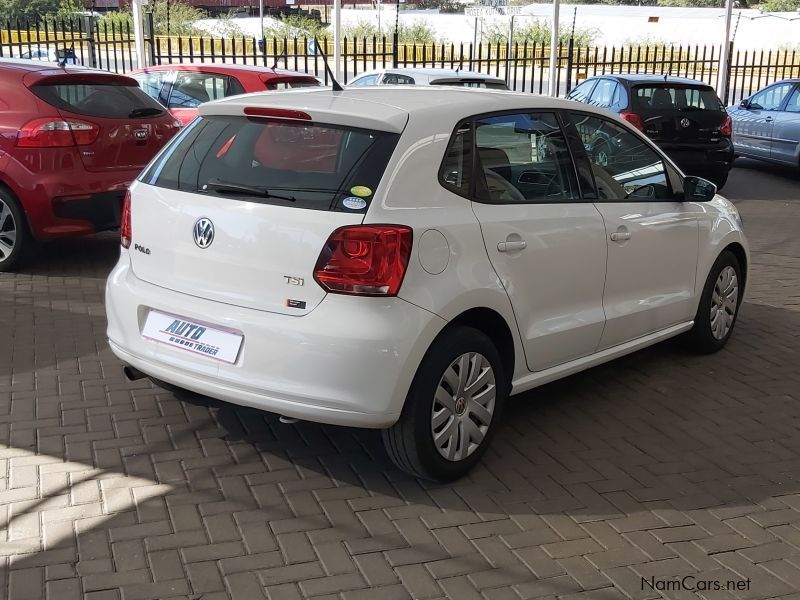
pixel 132 374
pixel 288 420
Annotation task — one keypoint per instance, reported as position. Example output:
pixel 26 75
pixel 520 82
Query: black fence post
pixel 570 48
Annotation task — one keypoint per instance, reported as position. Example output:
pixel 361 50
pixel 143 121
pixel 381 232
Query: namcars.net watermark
pixel 694 583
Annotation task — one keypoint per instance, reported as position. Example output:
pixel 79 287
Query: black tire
pixel 701 338
pixel 12 216
pixel 410 442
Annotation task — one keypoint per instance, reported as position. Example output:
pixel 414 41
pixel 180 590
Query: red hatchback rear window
pixel 104 100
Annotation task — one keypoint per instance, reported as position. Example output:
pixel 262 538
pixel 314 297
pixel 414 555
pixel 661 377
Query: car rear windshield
pixel 296 163
pixel 104 100
pixel 679 97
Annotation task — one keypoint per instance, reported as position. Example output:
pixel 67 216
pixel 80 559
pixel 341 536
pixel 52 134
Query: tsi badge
pixel 203 232
pixel 293 280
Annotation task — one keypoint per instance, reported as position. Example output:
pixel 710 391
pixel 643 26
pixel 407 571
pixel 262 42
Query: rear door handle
pixel 620 236
pixel 769 119
pixel 512 246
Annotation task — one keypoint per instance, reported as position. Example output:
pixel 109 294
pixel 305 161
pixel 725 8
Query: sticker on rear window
pixel 360 190
pixel 354 203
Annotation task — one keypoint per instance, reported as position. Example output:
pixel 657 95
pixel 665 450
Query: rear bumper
pixel 697 159
pixel 65 200
pixel 350 361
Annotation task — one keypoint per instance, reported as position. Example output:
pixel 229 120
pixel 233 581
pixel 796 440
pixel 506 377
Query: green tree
pixel 32 10
pixel 174 17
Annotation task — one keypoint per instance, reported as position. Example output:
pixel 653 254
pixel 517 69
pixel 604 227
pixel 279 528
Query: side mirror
pixel 697 189
pixel 745 104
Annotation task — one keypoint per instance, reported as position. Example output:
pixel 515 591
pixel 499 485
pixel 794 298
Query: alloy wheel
pixel 724 300
pixel 463 406
pixel 8 231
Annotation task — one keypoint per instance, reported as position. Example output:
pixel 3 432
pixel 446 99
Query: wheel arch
pixel 738 251
pixel 494 326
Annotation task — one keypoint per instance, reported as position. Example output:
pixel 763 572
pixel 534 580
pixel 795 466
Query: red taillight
pixel 56 133
pixel 365 260
pixel 633 119
pixel 726 129
pixel 125 231
pixel 276 113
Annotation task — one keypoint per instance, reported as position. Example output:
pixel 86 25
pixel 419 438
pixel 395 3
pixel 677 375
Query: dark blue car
pixel 684 117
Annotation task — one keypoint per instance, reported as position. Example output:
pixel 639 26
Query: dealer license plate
pixel 197 338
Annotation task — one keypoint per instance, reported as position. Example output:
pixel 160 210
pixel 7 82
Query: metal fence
pixel 524 66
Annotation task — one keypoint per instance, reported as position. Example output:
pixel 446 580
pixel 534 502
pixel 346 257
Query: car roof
pixel 647 78
pixel 225 69
pixel 387 108
pixel 434 72
pixel 35 70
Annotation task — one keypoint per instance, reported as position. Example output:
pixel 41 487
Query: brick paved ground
pixel 657 465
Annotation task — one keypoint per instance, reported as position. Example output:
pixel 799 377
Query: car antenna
pixel 283 55
pixel 334 84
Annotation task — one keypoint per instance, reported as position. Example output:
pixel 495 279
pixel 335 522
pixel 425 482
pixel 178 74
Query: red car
pixel 182 88
pixel 71 141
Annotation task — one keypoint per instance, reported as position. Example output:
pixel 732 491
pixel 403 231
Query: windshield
pixel 472 83
pixel 310 165
pixel 678 97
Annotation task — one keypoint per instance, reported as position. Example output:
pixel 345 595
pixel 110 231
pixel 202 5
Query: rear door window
pixel 110 101
pixel 307 165
pixel 397 79
pixel 193 88
pixel 603 93
pixel 523 158
pixel 794 102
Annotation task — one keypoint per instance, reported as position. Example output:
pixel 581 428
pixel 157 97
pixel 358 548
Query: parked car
pixel 182 88
pixel 406 259
pixel 684 117
pixel 71 141
pixel 427 76
pixel 53 55
pixel 766 126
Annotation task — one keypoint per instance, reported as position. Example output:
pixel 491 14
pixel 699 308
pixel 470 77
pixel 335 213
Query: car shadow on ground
pixel 654 436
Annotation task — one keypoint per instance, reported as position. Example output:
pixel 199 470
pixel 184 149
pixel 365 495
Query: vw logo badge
pixel 685 122
pixel 203 232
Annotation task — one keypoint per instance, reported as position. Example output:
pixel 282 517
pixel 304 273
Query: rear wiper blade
pixel 228 187
pixel 148 111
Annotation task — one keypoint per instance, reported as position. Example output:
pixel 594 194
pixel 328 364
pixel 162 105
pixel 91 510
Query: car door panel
pixel 652 239
pixel 555 282
pixel 547 247
pixel 785 144
pixel 753 123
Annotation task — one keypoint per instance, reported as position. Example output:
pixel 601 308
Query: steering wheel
pixel 648 186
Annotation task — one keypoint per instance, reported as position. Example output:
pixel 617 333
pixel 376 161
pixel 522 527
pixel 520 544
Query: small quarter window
pixel 456 171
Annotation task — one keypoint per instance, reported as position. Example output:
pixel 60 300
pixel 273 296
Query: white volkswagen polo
pixel 405 258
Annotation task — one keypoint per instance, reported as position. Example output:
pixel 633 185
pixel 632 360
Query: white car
pixel 53 55
pixel 406 259
pixel 429 76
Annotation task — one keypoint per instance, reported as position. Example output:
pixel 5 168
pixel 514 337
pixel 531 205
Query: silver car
pixel 429 76
pixel 766 126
